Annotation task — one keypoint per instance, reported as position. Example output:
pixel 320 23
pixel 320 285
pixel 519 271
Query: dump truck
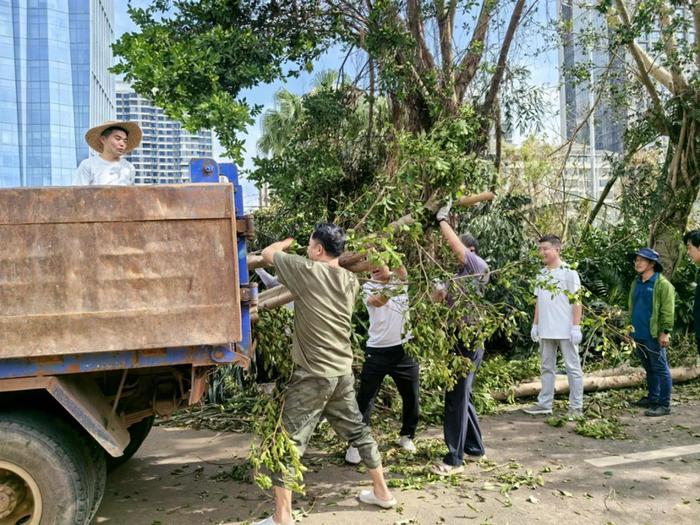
pixel 116 305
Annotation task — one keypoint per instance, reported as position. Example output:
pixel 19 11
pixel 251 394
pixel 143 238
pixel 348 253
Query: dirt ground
pixel 177 479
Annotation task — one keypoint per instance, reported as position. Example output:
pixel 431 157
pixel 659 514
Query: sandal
pixel 367 496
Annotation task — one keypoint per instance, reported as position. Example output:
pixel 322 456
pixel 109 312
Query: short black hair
pixel 470 241
pixel 331 237
pixel 551 239
pixel 692 237
pixel 107 132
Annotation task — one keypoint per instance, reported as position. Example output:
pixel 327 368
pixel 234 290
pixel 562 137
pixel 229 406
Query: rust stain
pixel 122 268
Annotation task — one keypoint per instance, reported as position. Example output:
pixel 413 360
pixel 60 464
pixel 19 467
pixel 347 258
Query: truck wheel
pixel 43 477
pixel 95 457
pixel 138 432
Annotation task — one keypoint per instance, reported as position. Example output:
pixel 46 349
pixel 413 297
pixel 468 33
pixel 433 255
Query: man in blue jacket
pixel 651 306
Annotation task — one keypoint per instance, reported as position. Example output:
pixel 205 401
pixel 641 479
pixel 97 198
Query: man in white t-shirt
pixel 557 325
pixel 386 299
pixel 111 140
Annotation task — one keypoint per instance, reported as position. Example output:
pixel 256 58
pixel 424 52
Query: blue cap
pixel 651 255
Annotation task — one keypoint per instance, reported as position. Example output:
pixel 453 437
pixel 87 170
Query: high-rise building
pixel 54 85
pixel 167 148
pixel 580 68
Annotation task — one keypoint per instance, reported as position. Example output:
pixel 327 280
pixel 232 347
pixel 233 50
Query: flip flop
pixel 367 496
pixel 267 521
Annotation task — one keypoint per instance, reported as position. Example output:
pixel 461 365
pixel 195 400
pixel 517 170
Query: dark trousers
pixel 655 363
pixel 461 425
pixel 403 369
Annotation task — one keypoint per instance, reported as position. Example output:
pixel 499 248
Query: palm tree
pixel 278 123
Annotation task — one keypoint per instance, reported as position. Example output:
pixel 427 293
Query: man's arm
pixel 453 240
pixel 268 253
pixel 380 299
pixel 577 311
pixel 666 313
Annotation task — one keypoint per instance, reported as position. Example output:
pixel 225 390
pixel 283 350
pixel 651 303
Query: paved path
pixel 651 478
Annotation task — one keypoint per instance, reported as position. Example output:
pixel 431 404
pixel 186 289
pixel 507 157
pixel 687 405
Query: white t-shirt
pixel 555 309
pixel 386 323
pixel 99 172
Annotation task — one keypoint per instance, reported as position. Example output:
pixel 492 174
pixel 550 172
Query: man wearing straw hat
pixel 111 140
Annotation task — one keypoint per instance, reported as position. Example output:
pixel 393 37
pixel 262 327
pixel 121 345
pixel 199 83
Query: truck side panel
pixel 153 267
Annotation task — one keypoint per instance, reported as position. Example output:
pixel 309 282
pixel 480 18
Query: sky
pixel 543 70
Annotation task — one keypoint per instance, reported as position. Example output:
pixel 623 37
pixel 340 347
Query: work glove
pixel 444 213
pixel 576 335
pixel 535 333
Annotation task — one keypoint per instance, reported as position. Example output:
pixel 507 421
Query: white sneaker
pixel 574 414
pixel 407 444
pixel 537 410
pixel 352 456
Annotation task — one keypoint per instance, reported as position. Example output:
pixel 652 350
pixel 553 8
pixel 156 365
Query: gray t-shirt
pixel 324 299
pixel 96 171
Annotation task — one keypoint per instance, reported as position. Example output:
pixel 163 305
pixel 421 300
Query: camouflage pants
pixel 309 397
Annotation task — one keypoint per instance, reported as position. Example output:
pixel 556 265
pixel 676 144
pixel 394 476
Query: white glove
pixel 535 333
pixel 444 212
pixel 576 335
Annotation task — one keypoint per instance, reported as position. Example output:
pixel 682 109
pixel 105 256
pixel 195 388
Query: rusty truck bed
pixel 99 269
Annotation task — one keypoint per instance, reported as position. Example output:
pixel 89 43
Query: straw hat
pixel 92 137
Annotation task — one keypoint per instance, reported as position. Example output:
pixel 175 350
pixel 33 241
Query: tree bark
pixel 678 193
pixel 594 383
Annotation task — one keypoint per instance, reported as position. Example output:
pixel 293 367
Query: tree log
pixel 274 297
pixel 634 377
pixel 256 261
pixel 473 200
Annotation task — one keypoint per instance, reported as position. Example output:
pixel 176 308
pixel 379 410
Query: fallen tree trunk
pixel 633 377
pixel 274 297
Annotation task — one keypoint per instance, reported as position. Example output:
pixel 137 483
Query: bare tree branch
pixel 415 26
pixel 503 56
pixel 468 67
pixel 644 63
pixel 696 22
pixel 445 20
pixel 679 83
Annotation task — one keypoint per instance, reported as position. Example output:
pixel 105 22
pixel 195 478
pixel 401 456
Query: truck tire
pixel 138 432
pixel 95 455
pixel 44 479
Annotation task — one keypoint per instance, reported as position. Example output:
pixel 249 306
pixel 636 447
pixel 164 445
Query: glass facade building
pixel 167 148
pixel 54 85
pixel 606 126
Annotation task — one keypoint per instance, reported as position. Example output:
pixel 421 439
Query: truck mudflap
pixel 84 401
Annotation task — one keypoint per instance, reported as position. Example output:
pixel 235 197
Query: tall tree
pixel 278 123
pixel 194 57
pixel 662 39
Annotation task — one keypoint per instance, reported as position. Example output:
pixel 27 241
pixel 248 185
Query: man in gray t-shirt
pixel 322 384
pixel 111 140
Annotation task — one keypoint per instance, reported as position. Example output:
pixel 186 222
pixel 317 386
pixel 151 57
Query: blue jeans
pixel 655 363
